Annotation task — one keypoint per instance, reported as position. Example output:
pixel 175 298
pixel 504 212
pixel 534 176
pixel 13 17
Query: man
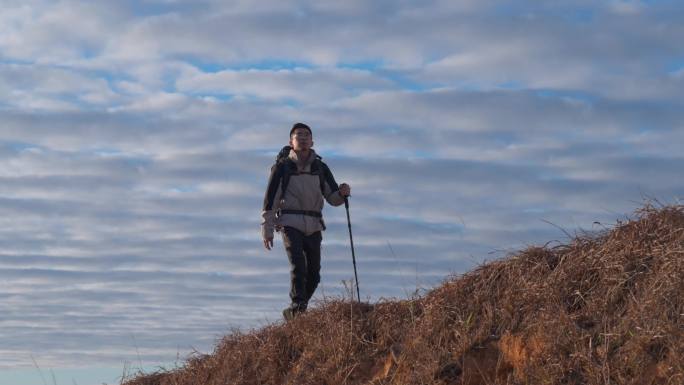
pixel 298 184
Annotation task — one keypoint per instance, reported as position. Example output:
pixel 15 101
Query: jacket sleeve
pixel 271 203
pixel 331 191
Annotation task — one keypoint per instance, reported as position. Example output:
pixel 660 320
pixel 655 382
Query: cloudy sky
pixel 136 139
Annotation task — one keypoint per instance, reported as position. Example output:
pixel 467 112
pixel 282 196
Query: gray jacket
pixel 304 191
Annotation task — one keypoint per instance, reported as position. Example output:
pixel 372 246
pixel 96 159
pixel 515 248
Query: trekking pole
pixel 351 240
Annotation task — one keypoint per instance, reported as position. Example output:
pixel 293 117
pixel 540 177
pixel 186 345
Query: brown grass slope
pixel 605 308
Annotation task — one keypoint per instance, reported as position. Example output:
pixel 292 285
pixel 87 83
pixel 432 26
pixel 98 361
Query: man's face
pixel 301 140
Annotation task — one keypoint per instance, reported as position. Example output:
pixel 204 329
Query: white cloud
pixel 45 87
pixel 157 102
pixel 305 85
pixel 54 32
pixel 627 7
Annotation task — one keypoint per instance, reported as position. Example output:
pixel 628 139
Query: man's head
pixel 301 138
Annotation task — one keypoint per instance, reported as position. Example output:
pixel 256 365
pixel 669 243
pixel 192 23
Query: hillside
pixel 604 308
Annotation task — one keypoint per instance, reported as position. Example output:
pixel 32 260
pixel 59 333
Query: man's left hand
pixel 345 190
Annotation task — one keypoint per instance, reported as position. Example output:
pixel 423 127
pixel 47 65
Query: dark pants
pixel 304 253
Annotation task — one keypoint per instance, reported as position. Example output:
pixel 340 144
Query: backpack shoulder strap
pixel 324 175
pixel 287 168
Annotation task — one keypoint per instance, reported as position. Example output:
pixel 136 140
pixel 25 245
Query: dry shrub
pixel 605 308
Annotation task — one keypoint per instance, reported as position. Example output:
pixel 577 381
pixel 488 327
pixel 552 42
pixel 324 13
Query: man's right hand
pixel 268 243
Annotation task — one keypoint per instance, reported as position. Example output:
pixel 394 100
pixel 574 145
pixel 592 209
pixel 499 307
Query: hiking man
pixel 293 202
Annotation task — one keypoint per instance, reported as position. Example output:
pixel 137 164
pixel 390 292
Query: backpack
pixel 286 168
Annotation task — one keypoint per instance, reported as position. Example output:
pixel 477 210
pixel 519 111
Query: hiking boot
pixel 290 312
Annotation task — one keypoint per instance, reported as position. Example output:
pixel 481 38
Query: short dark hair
pixel 300 125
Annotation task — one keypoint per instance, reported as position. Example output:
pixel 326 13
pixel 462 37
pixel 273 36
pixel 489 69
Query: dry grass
pixel 606 308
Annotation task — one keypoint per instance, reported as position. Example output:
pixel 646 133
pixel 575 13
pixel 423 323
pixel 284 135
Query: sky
pixel 136 139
